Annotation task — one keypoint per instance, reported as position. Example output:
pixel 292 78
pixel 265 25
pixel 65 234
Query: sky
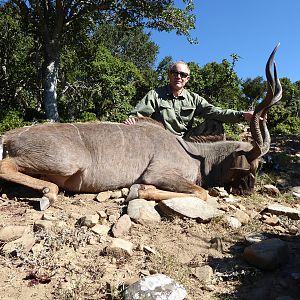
pixel 249 28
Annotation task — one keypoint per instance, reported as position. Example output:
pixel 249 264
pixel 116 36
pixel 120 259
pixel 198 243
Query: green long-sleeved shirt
pixel 177 113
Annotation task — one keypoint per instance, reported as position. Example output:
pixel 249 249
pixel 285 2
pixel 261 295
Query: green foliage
pixel 17 72
pixel 10 120
pixel 253 90
pixel 291 125
pixel 87 117
pixel 114 85
pixel 218 83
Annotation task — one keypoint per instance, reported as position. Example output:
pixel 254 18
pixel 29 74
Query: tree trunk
pixel 50 82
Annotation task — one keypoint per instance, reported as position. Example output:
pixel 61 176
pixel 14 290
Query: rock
pixel 155 287
pixel 218 192
pixel 267 255
pixel 233 222
pixel 271 190
pixel 120 247
pixel 125 192
pixel 242 216
pixel 116 194
pixel 100 229
pixel 204 274
pixel 231 199
pixel 295 191
pixel 122 226
pixel 102 216
pixel 148 249
pixel 104 196
pixel 143 211
pixel 190 207
pixel 89 220
pixel 272 221
pixel 49 216
pixel 23 244
pixel 280 229
pixel 42 225
pixel 278 209
pixel 11 232
pixel 255 237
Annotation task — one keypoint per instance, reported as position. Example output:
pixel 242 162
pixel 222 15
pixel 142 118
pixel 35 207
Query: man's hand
pixel 130 121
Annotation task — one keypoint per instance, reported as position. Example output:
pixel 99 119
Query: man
pixel 175 107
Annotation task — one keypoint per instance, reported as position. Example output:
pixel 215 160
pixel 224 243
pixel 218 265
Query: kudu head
pixel 245 163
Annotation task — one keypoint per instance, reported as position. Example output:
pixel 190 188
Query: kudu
pixel 94 157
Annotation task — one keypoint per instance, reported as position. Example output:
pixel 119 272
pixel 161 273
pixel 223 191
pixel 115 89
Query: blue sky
pixel 249 28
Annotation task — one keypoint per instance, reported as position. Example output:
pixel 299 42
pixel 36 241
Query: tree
pixel 217 83
pixel 54 22
pixel 17 80
pixel 253 90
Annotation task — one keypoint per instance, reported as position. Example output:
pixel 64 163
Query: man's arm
pixel 206 110
pixel 144 108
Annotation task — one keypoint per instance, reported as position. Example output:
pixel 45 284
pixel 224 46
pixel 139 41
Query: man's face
pixel 179 75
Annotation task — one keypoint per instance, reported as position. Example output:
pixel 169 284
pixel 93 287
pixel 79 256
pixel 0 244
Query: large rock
pixel 11 232
pixel 23 244
pixel 278 209
pixel 155 287
pixel 190 207
pixel 267 254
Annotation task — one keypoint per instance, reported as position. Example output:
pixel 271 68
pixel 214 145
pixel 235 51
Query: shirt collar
pixel 182 96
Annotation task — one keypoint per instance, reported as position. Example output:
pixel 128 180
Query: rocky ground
pixel 96 246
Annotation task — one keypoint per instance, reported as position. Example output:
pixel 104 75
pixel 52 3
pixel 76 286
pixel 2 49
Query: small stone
pixel 242 216
pixel 100 229
pixel 120 247
pixel 143 212
pixel 218 192
pixel 104 196
pixel 122 226
pixel 255 237
pixel 272 221
pixel 148 249
pixel 293 229
pixel 42 225
pixel 49 216
pixel 204 274
pixel 280 229
pixel 125 192
pixel 233 222
pixel 116 194
pixel 271 190
pixel 89 220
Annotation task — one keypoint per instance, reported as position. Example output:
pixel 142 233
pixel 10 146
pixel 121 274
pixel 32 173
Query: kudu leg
pixel 171 185
pixel 158 195
pixel 9 172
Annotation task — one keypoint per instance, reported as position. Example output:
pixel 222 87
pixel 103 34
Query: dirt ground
pixel 69 261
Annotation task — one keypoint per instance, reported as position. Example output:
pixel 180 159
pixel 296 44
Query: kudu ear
pixel 240 162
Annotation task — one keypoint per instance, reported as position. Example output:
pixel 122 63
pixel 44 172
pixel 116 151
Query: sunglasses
pixel 182 74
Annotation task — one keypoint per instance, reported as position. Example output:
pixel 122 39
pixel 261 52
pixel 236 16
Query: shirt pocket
pixel 187 113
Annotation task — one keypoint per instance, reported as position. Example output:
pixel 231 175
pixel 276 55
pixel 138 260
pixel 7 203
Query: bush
pixel 289 126
pixel 10 120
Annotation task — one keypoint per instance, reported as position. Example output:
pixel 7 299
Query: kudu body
pixel 94 157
